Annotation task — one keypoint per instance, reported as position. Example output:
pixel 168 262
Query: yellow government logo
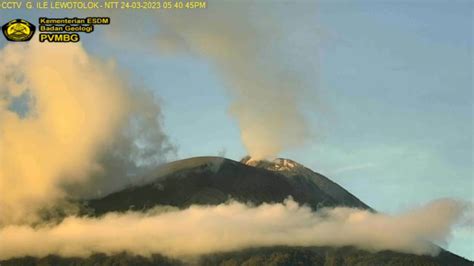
pixel 18 30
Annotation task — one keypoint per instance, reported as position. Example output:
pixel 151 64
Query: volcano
pixel 215 180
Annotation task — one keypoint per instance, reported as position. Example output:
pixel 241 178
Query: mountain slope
pixel 213 180
pixel 276 256
pixel 298 173
pixel 328 256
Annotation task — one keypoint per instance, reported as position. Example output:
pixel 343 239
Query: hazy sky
pixel 394 117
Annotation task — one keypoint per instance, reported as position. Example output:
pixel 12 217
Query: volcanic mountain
pixel 215 180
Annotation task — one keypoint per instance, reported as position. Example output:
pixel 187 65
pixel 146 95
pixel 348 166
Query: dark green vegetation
pixel 277 256
pixel 328 257
pixel 122 259
pixel 213 180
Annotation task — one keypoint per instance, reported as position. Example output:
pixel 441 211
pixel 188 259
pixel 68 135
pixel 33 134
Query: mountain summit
pixel 278 164
pixel 305 176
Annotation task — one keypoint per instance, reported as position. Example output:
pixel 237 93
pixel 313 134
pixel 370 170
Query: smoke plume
pixel 266 81
pixel 63 113
pixel 226 227
pixel 253 49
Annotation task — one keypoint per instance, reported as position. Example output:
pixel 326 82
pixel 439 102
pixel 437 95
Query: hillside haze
pixel 215 180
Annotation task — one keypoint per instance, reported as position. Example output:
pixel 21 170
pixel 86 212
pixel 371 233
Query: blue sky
pixel 394 117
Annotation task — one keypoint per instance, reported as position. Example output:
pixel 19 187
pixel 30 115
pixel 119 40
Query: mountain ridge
pixel 214 180
pixel 294 169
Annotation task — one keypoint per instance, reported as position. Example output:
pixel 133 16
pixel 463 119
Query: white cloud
pixel 206 229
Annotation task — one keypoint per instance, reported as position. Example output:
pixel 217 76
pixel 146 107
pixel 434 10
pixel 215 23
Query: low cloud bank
pixel 205 229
